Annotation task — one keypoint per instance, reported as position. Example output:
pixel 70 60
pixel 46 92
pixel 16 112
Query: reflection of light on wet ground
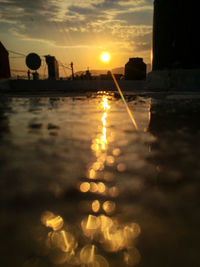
pixel 109 232
pixel 92 149
pixel 100 226
pixel 111 235
pixel 121 167
pixel 132 257
pixel 105 104
pixel 114 191
pixel 85 187
pixel 51 220
pixel 158 191
pixel 96 206
pixel 109 207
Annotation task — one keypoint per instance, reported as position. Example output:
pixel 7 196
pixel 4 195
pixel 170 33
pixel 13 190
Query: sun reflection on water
pixel 99 231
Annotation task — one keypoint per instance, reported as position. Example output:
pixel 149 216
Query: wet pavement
pixel 80 186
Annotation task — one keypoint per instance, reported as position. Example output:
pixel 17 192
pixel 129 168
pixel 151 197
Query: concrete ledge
pixel 179 79
pixel 4 85
pixel 13 86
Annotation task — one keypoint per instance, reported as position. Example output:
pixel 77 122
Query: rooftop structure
pixel 53 68
pixel 135 69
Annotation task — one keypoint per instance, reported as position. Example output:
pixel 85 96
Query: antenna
pixel 72 68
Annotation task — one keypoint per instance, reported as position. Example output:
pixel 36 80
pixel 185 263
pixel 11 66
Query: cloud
pixel 80 23
pixel 142 17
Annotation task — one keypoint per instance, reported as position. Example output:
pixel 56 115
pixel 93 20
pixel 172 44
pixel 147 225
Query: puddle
pixel 80 186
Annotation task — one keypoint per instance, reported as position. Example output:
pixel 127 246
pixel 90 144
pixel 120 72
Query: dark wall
pixel 175 34
pixel 4 63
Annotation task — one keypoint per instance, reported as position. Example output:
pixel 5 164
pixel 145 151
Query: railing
pixel 23 74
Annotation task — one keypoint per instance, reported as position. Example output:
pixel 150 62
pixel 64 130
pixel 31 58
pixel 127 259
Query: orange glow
pixel 92 174
pixel 132 257
pixel 100 261
pixel 114 191
pixel 103 140
pixel 101 187
pixel 105 103
pixel 110 160
pixel 151 58
pixel 92 222
pixel 93 187
pixel 105 57
pixel 97 166
pixel 100 142
pixel 116 152
pixel 95 206
pixel 49 219
pixel 84 187
pixel 121 167
pixel 87 254
pixel 109 207
pixel 104 118
pixel 109 176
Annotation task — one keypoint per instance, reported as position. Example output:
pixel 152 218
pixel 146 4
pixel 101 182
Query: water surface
pixel 80 186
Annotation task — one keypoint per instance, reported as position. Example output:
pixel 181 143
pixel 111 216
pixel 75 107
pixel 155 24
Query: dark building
pixel 135 69
pixel 88 75
pixel 107 76
pixel 53 67
pixel 4 63
pixel 175 35
pixel 118 76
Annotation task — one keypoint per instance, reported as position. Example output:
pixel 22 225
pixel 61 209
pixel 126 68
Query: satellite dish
pixel 33 61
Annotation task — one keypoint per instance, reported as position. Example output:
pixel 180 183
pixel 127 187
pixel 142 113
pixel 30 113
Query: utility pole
pixel 72 68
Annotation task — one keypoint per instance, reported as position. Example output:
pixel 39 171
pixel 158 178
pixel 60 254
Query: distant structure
pixel 4 63
pixel 88 75
pixel 135 69
pixel 33 62
pixel 53 67
pixel 175 35
pixel 108 76
pixel 72 69
pixel 176 53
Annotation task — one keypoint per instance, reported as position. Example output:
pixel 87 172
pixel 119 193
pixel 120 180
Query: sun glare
pixel 105 57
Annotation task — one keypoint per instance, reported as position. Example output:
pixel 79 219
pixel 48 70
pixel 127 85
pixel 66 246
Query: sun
pixel 105 57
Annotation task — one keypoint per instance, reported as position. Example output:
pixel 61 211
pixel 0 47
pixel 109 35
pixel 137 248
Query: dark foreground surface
pixel 80 186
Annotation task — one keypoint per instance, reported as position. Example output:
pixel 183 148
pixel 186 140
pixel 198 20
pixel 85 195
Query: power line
pixel 14 70
pixel 64 65
pixel 17 57
pixel 17 53
pixel 64 71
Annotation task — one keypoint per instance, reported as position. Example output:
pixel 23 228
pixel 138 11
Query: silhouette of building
pixel 88 75
pixel 135 69
pixel 176 35
pixel 118 76
pixel 108 76
pixel 4 62
pixel 53 67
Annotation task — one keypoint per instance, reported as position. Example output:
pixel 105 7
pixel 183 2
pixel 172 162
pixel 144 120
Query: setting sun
pixel 105 57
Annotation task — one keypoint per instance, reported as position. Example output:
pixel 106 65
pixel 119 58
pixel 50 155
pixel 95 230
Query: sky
pixel 77 30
